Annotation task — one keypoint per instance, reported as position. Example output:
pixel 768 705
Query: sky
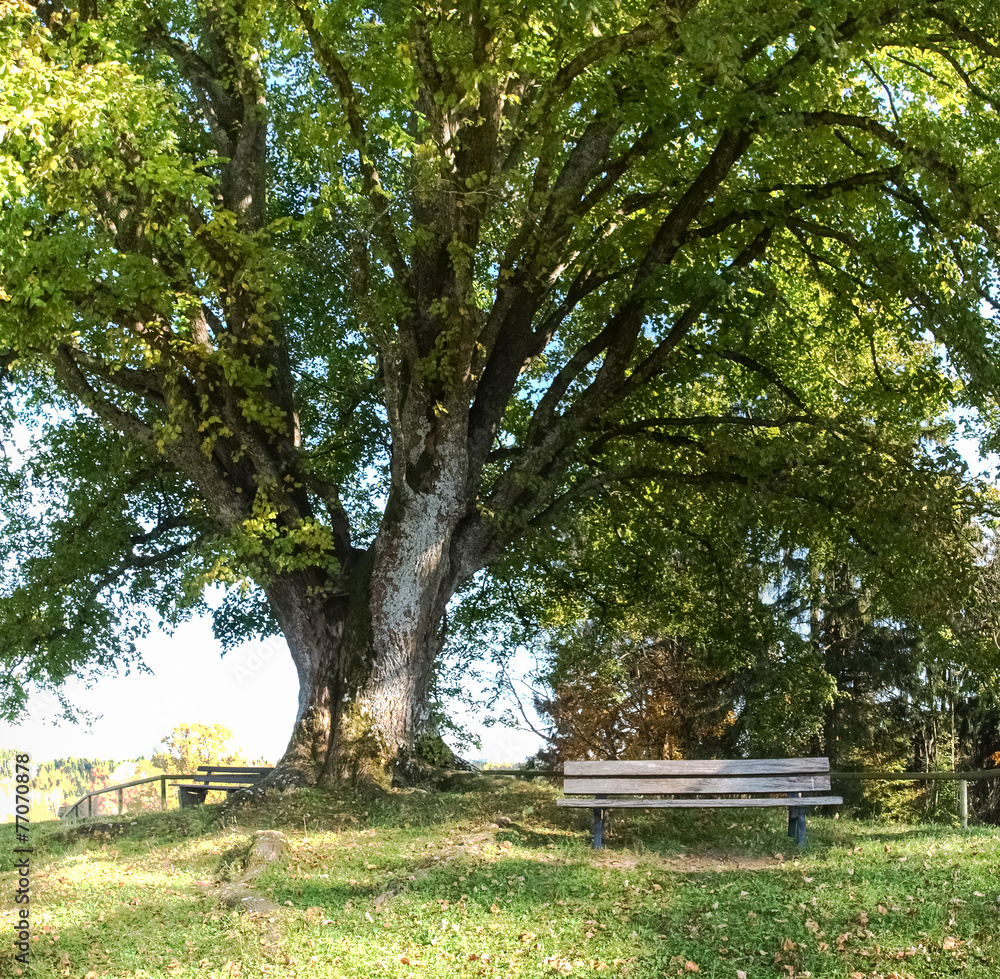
pixel 252 690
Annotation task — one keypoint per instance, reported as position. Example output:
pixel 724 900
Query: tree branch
pixel 637 38
pixel 72 377
pixel 647 426
pixel 378 198
pixel 218 106
pixel 749 363
pixel 147 384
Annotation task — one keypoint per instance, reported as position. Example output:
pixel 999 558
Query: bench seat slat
pixel 219 778
pixel 703 802
pixel 711 766
pixel 713 786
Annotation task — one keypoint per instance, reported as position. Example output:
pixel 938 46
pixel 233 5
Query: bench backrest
pixel 710 777
pixel 234 770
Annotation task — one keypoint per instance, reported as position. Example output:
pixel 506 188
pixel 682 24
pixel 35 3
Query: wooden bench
pixel 700 784
pixel 218 778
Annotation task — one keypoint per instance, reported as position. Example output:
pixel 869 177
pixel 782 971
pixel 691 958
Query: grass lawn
pixel 497 881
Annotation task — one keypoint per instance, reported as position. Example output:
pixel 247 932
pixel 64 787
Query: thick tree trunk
pixel 314 631
pixel 365 660
pixel 410 586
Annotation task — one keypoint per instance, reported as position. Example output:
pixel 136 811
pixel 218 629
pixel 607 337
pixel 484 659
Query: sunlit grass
pixel 501 882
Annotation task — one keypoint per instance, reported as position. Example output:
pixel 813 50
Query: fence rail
pixel 89 797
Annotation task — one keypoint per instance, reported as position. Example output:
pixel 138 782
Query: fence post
pixel 163 793
pixel 119 802
pixel 90 807
pixel 963 803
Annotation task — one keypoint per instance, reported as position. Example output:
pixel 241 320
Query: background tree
pixel 189 745
pixel 342 304
pixel 616 699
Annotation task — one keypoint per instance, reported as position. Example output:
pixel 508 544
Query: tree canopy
pixel 189 745
pixel 343 304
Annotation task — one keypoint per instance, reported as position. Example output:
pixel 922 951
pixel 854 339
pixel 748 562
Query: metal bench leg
pixel 599 825
pixel 797 820
pixel 797 823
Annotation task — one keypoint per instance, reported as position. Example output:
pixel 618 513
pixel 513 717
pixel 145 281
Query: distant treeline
pixel 76 776
pixel 61 781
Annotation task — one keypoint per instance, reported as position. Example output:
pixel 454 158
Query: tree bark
pixel 314 631
pixel 365 659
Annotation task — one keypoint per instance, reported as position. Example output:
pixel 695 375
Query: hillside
pixel 495 881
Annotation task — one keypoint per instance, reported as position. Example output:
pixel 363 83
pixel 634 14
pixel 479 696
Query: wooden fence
pixel 89 797
pixel 963 779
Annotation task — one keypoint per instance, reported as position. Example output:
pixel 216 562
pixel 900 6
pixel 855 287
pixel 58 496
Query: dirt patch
pixel 479 844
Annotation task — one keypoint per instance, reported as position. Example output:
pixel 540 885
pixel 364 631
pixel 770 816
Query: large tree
pixel 341 303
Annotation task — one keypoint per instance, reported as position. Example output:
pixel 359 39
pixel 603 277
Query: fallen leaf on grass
pixel 559 965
